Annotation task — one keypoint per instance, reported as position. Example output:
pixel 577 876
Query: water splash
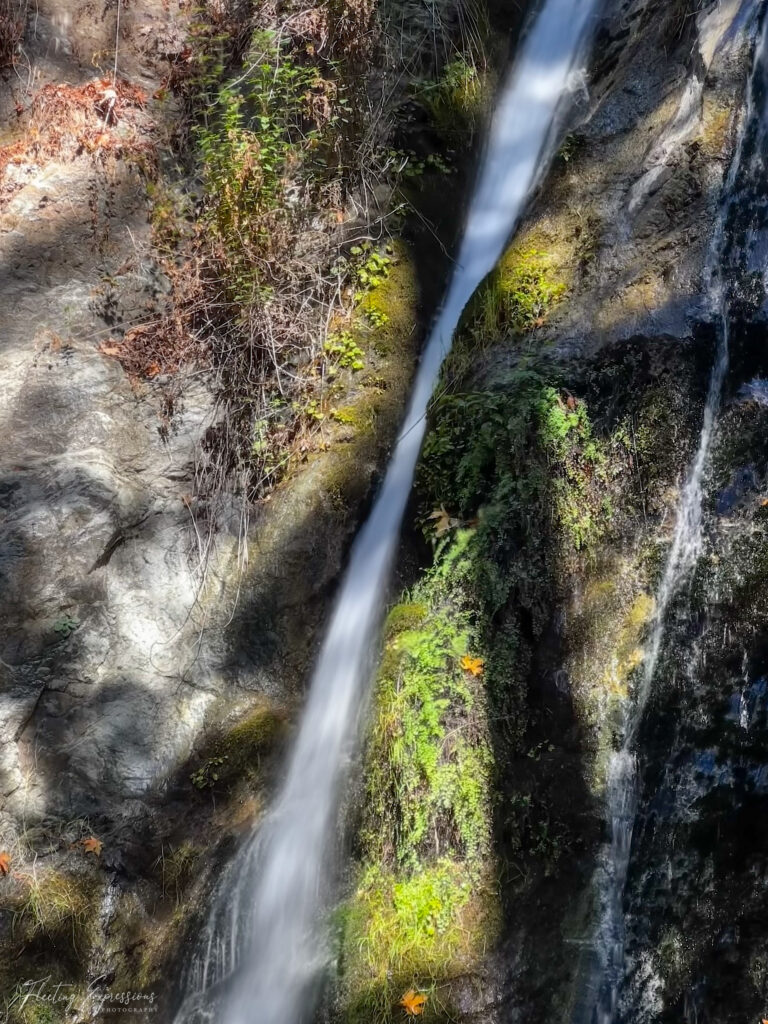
pixel 607 969
pixel 266 959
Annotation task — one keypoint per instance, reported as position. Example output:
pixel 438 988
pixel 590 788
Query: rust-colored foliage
pixel 475 666
pixel 92 845
pixel 66 120
pixel 413 1002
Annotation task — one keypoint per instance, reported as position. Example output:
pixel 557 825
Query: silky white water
pixel 601 1003
pixel 262 948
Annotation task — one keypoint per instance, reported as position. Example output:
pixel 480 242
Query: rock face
pixel 103 686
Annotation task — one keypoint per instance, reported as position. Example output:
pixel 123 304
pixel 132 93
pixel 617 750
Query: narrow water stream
pixel 262 949
pixel 606 970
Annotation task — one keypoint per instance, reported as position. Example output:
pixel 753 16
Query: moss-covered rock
pixel 424 909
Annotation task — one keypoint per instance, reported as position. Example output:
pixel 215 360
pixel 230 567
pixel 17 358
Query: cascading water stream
pixel 262 941
pixel 601 1003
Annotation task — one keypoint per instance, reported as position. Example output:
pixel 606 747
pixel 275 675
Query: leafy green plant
pixel 373 266
pixel 207 775
pixel 256 127
pixel 65 626
pixel 342 349
pixel 376 317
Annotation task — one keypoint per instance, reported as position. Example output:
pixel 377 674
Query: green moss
pixel 413 933
pixel 457 98
pixel 360 415
pixel 423 910
pixel 409 615
pixel 528 286
pixel 389 308
pixel 528 282
pixel 374 409
pixel 250 739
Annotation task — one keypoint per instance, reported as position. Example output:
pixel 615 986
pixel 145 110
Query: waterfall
pixel 262 949
pixel 607 967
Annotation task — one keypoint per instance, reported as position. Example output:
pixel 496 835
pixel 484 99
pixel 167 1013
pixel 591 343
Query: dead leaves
pixel 154 350
pixel 5 862
pixel 92 845
pixel 413 1002
pixel 443 521
pixel 65 120
pixel 475 666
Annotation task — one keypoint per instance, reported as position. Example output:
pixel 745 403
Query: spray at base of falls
pixel 263 947
pixel 606 972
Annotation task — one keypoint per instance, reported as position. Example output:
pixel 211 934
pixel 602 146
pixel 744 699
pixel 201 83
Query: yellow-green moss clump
pixel 386 330
pixel 424 910
pixel 628 652
pixel 58 906
pixel 244 745
pixel 54 914
pixel 389 310
pixel 608 630
pixel 531 279
pixel 237 753
pixel 414 932
pixel 457 99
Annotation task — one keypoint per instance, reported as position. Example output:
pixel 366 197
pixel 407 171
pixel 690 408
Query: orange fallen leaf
pixel 92 845
pixel 443 521
pixel 473 665
pixel 413 1003
pixel 764 502
pixel 5 862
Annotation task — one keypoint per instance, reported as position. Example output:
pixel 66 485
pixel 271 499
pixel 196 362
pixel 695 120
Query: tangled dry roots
pixel 13 19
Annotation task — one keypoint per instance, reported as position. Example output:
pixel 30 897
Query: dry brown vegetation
pixel 64 121
pixel 13 17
